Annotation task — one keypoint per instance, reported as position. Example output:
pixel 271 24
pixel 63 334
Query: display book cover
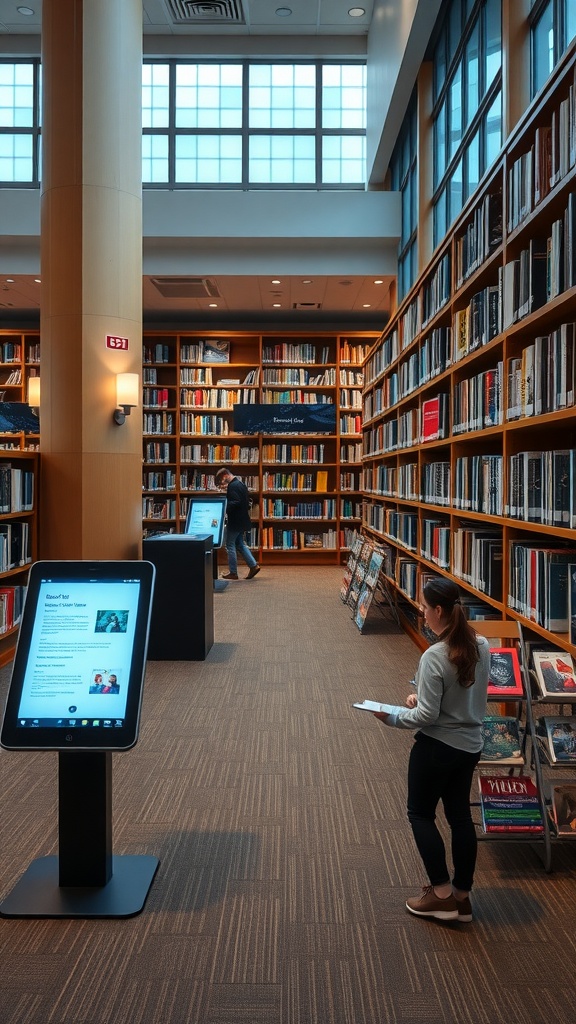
pixel 501 740
pixel 505 678
pixel 557 735
pixel 79 666
pixel 554 674
pixel 563 808
pixel 509 803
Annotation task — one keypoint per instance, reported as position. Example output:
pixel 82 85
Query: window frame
pixel 561 42
pixel 318 132
pixel 32 131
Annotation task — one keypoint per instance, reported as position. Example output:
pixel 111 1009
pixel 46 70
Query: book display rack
pixel 18 541
pixel 469 409
pixel 283 411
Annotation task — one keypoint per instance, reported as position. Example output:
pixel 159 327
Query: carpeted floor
pixel 277 812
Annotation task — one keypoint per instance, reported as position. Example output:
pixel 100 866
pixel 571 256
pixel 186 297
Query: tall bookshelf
pixel 19 360
pixel 469 432
pixel 18 540
pixel 306 487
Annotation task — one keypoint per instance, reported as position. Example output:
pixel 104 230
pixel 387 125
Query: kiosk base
pixel 38 893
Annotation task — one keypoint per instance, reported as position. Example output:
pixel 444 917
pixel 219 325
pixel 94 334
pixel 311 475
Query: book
pixel 563 808
pixel 505 678
pixel 374 705
pixel 558 736
pixel 509 803
pixel 572 603
pixel 501 741
pixel 554 672
pixel 215 350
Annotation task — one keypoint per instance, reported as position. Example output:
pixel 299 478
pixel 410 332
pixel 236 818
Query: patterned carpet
pixel 277 812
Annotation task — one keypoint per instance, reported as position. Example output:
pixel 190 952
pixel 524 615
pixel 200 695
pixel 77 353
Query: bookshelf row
pixel 469 420
pixel 216 399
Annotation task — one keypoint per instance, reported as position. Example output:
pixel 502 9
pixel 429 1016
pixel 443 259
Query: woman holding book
pixel 447 711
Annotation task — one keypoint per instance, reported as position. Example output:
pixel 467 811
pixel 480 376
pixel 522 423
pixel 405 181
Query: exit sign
pixel 119 343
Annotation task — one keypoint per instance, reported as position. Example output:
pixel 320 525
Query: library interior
pixel 331 249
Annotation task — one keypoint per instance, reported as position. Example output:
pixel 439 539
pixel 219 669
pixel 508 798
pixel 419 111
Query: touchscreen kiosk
pixel 207 515
pixel 79 666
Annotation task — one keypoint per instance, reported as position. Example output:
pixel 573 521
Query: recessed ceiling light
pixel 25 10
pixel 283 12
pixel 276 281
pixel 277 305
pixel 37 280
pixel 308 281
pixel 366 305
pixel 9 280
pixel 213 305
pixel 356 12
pixel 378 281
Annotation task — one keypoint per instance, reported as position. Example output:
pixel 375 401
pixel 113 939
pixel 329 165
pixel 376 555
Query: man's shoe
pixel 428 904
pixel 255 569
pixel 230 576
pixel 464 909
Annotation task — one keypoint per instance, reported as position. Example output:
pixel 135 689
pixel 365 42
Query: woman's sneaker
pixel 428 904
pixel 464 909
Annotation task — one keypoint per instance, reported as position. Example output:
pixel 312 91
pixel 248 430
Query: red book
pixel 505 678
pixel 430 419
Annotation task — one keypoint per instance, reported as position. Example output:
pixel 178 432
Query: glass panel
pixel 282 159
pixel 440 145
pixel 406 208
pixel 542 48
pixel 344 96
pixel 454 28
pixel 455 197
pixel 455 111
pixel 472 65
pixel 208 96
pixel 209 159
pixel 570 20
pixel 493 16
pixel 414 204
pixel 16 158
pixel 493 131
pixel 440 218
pixel 16 96
pixel 439 65
pixel 155 95
pixel 343 160
pixel 282 96
pixel 473 165
pixel 154 159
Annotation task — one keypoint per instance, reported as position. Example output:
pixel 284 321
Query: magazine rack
pixel 509 632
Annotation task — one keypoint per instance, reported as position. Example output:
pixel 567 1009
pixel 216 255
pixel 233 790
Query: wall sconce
pixel 127 394
pixel 34 392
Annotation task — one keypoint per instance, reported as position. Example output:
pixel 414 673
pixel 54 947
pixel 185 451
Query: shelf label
pixel 118 343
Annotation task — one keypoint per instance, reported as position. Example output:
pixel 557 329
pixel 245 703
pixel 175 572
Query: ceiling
pixel 227 17
pixel 314 298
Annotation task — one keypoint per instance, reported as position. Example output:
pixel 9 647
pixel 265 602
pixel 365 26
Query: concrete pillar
pixel 91 261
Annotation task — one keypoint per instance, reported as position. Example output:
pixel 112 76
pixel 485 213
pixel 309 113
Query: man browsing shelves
pixel 237 523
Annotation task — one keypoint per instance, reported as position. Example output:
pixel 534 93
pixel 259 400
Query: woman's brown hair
pixel 459 636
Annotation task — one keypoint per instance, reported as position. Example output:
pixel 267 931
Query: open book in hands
pixel 374 705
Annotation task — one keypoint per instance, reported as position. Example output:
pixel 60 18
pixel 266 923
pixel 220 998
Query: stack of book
pixel 509 804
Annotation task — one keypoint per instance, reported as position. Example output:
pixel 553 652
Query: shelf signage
pixel 117 343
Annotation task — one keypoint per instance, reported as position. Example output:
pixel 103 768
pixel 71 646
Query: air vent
pixel 209 12
pixel 306 305
pixel 186 287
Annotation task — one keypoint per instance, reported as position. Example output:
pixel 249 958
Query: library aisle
pixel 277 812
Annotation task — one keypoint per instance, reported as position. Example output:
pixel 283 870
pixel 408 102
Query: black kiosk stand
pixel 78 617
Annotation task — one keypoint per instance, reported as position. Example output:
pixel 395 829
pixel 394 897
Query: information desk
pixel 182 626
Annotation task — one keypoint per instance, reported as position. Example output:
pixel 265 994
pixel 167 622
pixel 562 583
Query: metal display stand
pixel 85 880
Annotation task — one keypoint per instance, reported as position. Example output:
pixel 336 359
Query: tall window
pixel 252 125
pixel 552 29
pixel 404 172
pixel 19 122
pixel 467 111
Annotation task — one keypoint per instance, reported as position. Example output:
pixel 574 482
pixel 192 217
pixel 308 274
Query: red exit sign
pixel 118 343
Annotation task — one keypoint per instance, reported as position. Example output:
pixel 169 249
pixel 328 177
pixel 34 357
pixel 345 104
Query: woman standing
pixel 447 710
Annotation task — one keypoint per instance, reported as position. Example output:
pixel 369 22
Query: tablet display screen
pixel 207 516
pixel 79 665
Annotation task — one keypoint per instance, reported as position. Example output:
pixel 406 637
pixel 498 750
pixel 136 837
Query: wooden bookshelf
pixel 306 485
pixel 19 360
pixel 466 409
pixel 18 540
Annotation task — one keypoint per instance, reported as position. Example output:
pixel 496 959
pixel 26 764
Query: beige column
pixel 91 261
